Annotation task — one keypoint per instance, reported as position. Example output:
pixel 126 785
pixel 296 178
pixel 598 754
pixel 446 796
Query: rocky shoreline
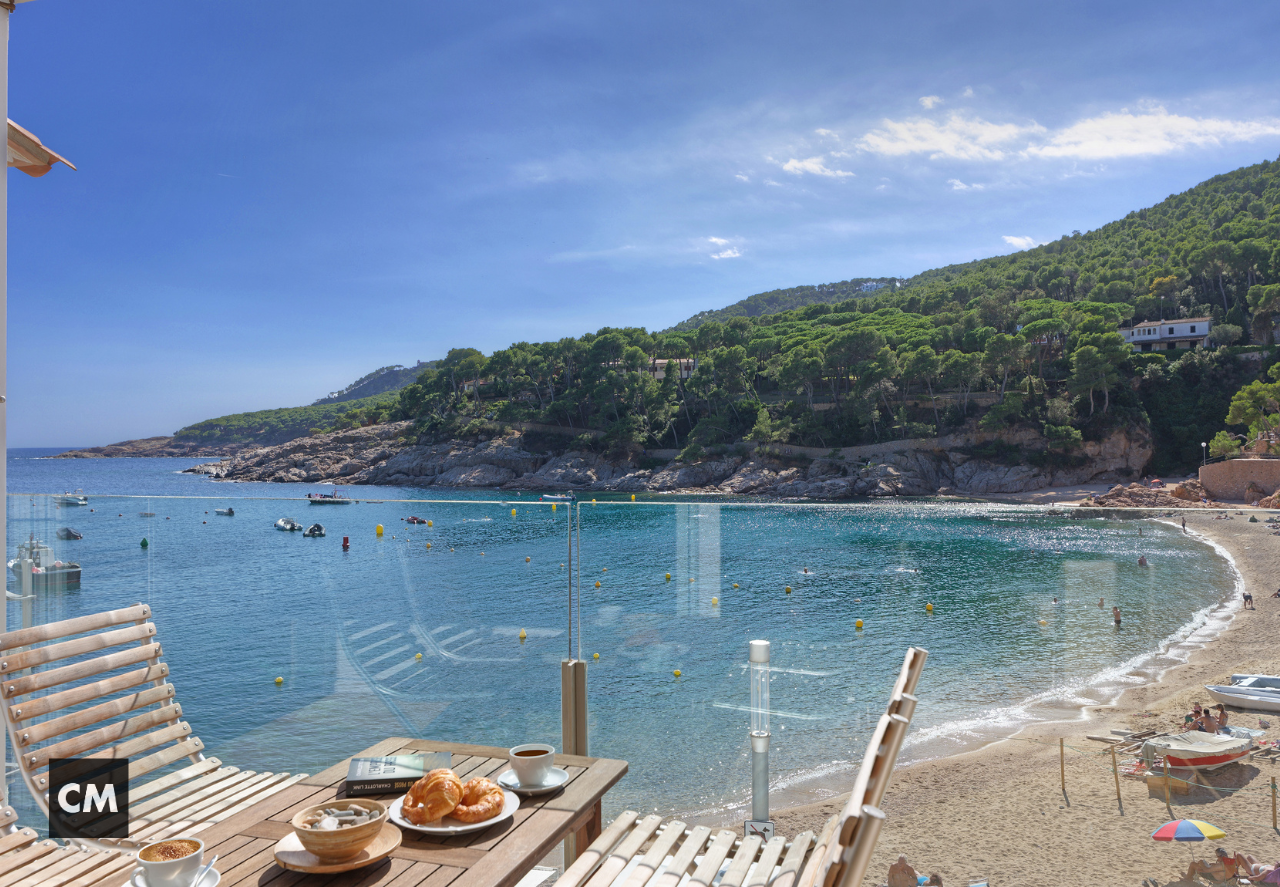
pixel 151 447
pixel 387 455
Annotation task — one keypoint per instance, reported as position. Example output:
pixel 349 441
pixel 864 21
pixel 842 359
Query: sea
pixel 290 653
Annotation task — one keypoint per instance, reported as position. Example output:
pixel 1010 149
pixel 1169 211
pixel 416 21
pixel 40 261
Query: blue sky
pixel 276 198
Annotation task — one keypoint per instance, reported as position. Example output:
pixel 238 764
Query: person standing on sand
pixel 1248 601
pixel 1115 611
pixel 901 874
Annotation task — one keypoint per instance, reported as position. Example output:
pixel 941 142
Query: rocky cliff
pixel 384 455
pixel 151 446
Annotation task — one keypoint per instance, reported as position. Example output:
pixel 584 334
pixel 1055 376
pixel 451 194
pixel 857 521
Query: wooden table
pixel 495 857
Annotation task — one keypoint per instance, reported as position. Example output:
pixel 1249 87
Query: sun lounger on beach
pixel 643 852
pixel 102 679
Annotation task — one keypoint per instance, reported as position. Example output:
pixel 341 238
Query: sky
pixel 273 199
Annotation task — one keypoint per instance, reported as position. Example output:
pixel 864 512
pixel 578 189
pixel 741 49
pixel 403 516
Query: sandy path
pixel 1000 811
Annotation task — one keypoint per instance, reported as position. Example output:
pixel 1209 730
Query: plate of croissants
pixel 442 804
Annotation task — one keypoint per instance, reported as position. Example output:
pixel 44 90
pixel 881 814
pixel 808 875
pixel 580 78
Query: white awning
pixel 29 155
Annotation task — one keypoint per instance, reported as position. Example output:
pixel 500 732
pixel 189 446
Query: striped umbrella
pixel 1188 830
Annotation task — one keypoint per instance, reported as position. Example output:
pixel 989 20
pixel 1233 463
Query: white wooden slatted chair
pixel 95 687
pixel 635 852
pixel 26 861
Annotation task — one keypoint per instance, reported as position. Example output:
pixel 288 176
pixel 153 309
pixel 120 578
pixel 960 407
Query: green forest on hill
pixel 269 427
pixel 1024 340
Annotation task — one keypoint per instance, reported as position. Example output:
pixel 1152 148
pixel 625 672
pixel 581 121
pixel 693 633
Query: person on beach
pixel 1221 717
pixel 901 874
pixel 1223 868
pixel 1115 612
pixel 1248 601
pixel 1208 723
pixel 1250 866
pixel 1184 525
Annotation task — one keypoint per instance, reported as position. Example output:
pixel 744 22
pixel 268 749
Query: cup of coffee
pixel 532 762
pixel 172 863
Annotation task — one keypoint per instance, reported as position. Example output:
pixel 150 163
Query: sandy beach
pixel 1000 812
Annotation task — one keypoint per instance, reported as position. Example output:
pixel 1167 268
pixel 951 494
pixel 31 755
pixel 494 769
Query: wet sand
pixel 1000 811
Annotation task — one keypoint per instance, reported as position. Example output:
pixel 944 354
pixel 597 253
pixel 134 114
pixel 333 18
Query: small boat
pixel 68 533
pixel 415 520
pixel 146 514
pixel 315 531
pixel 288 523
pixel 1198 751
pixel 1256 681
pixel 76 498
pixel 334 498
pixel 568 497
pixel 47 572
pixel 1261 699
pixel 225 512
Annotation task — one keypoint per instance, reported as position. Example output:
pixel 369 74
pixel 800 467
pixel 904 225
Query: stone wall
pixel 1230 479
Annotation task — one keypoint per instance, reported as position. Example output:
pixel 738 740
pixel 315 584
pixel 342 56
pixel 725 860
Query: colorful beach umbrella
pixel 1188 830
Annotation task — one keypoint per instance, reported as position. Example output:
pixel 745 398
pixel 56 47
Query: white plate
pixel 448 825
pixel 557 779
pixel 210 879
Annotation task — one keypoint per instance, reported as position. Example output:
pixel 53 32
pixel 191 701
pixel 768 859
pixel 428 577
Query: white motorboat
pixel 225 512
pixel 288 523
pixel 76 498
pixel 1195 750
pixel 1261 699
pixel 1256 681
pixel 47 572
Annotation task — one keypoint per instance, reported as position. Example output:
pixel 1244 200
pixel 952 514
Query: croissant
pixel 432 797
pixel 481 800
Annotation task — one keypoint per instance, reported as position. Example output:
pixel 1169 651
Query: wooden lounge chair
pixel 95 687
pixel 635 852
pixel 26 861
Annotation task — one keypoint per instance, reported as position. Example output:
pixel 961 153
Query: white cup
pixel 172 872
pixel 532 762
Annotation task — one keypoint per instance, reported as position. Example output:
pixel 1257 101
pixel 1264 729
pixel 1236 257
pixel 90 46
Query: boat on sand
pixel 1195 750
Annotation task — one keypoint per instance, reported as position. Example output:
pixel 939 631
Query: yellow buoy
pixel 379 530
pixel 595 655
pixel 788 589
pixel 553 506
pixel 1043 622
pixel 604 569
pixel 633 497
pixel 417 655
pixel 597 583
pixel 482 554
pixel 929 607
pixel 677 671
pixel 526 560
pixel 715 602
pixel 451 549
pixel 513 512
pixel 690 578
pixel 523 635
pixel 858 625
pixel 735 585
pixel 593 502
pixel 430 524
pixel 428 545
pixel 279 680
pixel 668 577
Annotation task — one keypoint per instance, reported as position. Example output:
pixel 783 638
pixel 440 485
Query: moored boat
pixel 314 531
pixel 76 498
pixel 568 497
pixel 334 498
pixel 1195 750
pixel 47 572
pixel 69 533
pixel 225 512
pixel 288 523
pixel 415 520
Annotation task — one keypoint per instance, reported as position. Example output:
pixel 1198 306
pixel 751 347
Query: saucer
pixel 557 779
pixel 210 879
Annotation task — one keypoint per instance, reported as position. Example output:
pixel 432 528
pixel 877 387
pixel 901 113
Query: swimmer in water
pixel 1055 600
pixel 806 569
pixel 1101 603
pixel 1115 611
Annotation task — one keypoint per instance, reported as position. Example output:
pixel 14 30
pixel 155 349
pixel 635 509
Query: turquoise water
pixel 238 603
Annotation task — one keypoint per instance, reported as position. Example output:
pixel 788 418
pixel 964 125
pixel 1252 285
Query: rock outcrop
pixel 152 446
pixel 383 455
pixel 1143 496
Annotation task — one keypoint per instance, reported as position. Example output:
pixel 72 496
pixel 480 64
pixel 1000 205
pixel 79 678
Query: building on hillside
pixel 1168 335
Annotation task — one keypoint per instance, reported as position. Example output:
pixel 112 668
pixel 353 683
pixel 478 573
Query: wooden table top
pixel 495 857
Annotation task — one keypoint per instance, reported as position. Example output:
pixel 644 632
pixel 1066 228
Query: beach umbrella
pixel 1188 830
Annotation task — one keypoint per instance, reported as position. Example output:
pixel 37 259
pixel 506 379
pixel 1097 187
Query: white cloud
pixel 772 183
pixel 718 241
pixel 968 92
pixel 957 185
pixel 730 253
pixel 741 178
pixel 814 166
pixel 828 134
pixel 928 101
pixel 1152 132
pixel 1021 243
pixel 957 138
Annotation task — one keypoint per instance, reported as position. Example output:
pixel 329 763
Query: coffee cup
pixel 174 862
pixel 532 762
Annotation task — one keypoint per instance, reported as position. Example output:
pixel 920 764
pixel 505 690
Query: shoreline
pixel 1011 784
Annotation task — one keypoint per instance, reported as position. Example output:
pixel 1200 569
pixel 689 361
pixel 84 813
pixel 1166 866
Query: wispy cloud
pixel 1020 243
pixel 813 166
pixel 741 178
pixel 1149 132
pixel 730 253
pixel 718 241
pixel 968 93
pixel 929 101
pixel 957 185
pixel 956 138
pixel 827 134
pixel 1154 131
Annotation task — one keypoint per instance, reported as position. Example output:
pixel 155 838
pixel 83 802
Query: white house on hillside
pixel 1166 335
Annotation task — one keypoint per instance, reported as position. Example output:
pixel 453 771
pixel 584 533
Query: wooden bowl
pixel 344 843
